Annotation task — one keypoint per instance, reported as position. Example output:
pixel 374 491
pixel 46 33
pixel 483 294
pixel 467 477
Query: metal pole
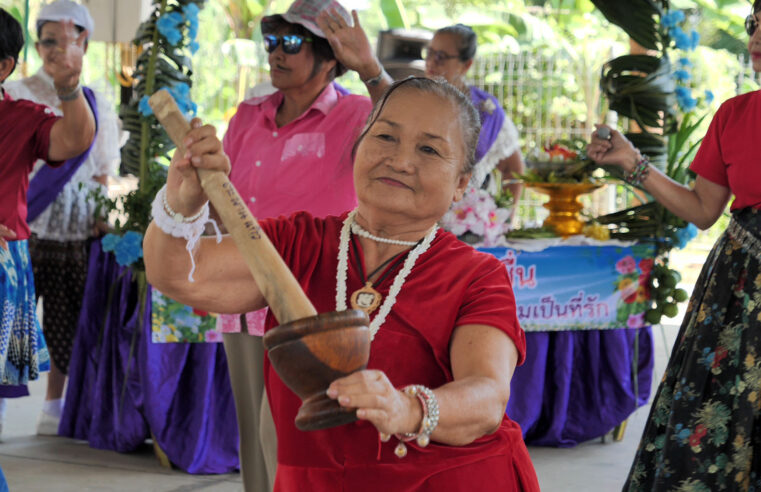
pixel 26 31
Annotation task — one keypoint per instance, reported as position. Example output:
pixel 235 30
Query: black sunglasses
pixel 751 24
pixel 291 42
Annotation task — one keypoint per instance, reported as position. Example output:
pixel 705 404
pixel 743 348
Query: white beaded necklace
pixel 359 231
pixel 396 286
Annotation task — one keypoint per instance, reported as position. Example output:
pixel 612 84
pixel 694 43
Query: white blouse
pixel 71 217
pixel 503 147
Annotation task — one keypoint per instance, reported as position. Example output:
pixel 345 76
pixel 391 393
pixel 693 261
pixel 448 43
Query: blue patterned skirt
pixel 704 426
pixel 23 353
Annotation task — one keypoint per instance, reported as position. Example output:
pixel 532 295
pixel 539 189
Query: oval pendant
pixel 367 299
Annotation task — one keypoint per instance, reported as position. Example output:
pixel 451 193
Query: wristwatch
pixel 375 80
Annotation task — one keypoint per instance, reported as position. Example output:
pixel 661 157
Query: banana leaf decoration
pixel 160 64
pixel 652 145
pixel 636 18
pixel 641 87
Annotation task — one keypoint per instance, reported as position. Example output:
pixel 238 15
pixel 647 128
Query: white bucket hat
pixel 62 10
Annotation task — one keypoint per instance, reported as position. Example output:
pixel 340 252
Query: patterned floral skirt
pixel 704 428
pixel 23 353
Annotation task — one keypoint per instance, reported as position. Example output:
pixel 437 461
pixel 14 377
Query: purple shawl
pixel 491 122
pixel 49 181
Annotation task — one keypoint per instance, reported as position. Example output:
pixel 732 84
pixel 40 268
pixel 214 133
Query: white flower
pixel 478 213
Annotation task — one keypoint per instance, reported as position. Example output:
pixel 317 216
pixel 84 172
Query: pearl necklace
pixel 359 231
pixel 396 286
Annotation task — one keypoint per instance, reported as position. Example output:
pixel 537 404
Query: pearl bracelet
pixel 176 225
pixel 430 405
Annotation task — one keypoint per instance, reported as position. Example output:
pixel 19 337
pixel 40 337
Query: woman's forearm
pixel 469 408
pixel 701 205
pixel 473 405
pixel 72 134
pixel 222 282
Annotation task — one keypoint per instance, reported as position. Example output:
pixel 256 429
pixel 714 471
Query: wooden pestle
pixel 276 282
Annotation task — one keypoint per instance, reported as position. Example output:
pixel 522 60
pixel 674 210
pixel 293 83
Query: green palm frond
pixel 636 18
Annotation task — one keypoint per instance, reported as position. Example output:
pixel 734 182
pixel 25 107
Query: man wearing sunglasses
pixel 289 151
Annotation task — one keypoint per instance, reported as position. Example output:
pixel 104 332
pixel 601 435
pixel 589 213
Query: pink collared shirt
pixel 304 165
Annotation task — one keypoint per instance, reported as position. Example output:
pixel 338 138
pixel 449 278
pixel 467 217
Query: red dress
pixel 450 285
pixel 725 156
pixel 24 138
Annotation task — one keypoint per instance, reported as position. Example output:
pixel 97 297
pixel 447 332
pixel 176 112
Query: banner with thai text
pixel 579 287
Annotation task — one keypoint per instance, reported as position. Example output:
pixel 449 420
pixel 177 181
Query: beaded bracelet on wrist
pixel 639 173
pixel 176 225
pixel 430 406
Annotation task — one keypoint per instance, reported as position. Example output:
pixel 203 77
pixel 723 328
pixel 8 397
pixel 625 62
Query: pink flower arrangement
pixel 626 265
pixel 477 213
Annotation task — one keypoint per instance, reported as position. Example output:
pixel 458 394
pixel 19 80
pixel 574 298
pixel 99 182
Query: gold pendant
pixel 367 299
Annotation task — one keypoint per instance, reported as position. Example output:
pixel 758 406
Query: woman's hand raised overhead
pixel 203 151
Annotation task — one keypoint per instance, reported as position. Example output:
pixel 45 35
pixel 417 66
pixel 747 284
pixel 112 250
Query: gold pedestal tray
pixel 564 205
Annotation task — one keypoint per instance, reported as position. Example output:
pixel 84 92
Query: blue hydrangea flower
pixel 193 29
pixel 694 39
pixel 672 18
pixel 143 107
pixel 685 62
pixel 190 10
pixel 684 98
pixel 181 90
pixel 708 96
pixel 682 75
pixel 168 25
pixel 181 94
pixel 109 242
pixel 129 249
pixel 681 40
pixel 685 235
pixel 193 47
pixel 687 104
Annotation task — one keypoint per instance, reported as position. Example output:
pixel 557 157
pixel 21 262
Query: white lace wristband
pixel 176 225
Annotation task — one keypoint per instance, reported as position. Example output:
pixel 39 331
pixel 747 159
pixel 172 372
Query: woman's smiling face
pixel 411 160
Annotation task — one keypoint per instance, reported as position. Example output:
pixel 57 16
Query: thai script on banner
pixel 523 276
pixel 579 287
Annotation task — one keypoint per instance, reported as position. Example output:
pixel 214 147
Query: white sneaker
pixel 47 425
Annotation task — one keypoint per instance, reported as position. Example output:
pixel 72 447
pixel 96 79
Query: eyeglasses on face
pixel 48 43
pixel 751 24
pixel 438 57
pixel 291 42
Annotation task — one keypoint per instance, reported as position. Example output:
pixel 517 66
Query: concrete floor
pixel 53 464
pixel 33 463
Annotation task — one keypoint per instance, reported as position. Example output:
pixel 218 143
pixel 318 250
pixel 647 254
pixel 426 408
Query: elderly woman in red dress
pixel 446 336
